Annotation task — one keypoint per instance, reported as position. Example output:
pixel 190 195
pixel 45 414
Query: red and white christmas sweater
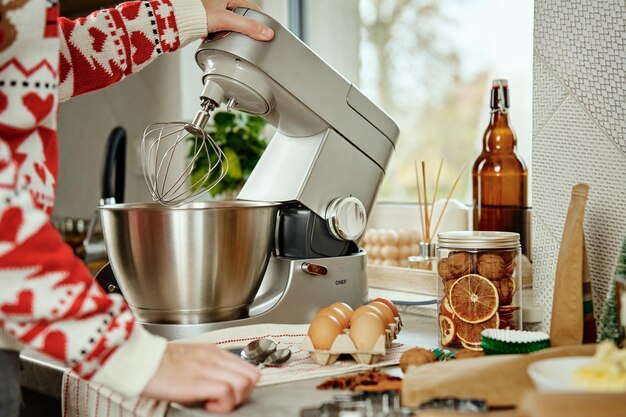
pixel 48 299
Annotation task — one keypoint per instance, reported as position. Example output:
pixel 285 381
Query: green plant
pixel 240 136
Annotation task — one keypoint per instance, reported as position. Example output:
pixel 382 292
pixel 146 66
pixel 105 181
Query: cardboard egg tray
pixel 343 344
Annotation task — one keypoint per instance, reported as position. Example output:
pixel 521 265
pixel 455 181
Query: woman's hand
pixel 202 373
pixel 220 17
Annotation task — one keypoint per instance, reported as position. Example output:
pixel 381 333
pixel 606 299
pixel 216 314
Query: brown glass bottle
pixel 500 186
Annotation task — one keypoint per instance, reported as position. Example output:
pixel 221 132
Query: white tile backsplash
pixel 579 134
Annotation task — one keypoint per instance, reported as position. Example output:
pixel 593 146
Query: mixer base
pixel 189 316
pixel 289 295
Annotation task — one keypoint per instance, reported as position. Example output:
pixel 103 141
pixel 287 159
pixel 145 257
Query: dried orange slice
pixel 447 330
pixel 473 298
pixel 470 332
pixel 446 310
pixel 475 348
pixel 511 267
pixel 514 282
pixel 509 308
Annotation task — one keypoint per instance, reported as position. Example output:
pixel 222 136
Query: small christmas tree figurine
pixel 611 328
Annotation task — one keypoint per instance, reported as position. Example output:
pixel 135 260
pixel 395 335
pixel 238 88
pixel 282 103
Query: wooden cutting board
pixel 501 380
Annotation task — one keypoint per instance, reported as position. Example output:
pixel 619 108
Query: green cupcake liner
pixel 502 342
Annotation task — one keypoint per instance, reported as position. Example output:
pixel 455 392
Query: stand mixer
pixel 321 171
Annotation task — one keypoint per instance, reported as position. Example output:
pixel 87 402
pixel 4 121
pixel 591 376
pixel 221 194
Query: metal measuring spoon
pixel 258 350
pixel 277 358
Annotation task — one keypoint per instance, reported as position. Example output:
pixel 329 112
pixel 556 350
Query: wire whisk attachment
pixel 169 153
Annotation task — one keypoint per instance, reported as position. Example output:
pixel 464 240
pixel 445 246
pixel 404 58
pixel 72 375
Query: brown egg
pixel 323 331
pixel 384 308
pixel 347 310
pixel 365 330
pixel 336 313
pixel 368 308
pixel 389 304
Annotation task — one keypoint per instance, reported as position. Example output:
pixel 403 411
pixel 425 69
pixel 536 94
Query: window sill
pixel 421 284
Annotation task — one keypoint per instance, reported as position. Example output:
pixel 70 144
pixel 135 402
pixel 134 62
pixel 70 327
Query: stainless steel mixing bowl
pixel 196 263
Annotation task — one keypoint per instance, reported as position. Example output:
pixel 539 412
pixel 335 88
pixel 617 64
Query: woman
pixel 48 300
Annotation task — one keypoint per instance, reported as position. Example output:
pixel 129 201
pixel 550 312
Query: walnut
pixel 491 266
pixel 415 357
pixel 455 265
pixel 443 268
pixel 506 290
pixel 446 287
pixel 508 256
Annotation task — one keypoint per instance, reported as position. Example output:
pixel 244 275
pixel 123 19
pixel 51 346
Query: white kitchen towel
pixel 290 336
pixel 82 398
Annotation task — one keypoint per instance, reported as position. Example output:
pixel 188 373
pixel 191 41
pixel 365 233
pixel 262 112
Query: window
pixel 429 63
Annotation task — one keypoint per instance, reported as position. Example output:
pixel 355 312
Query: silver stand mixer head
pixel 165 144
pixel 321 172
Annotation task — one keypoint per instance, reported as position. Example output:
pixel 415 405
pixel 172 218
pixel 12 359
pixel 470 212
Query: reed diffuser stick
pixel 426 219
pixel 426 216
pixel 419 196
pixel 435 193
pixel 443 210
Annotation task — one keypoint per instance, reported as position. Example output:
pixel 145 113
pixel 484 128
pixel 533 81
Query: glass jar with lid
pixel 479 285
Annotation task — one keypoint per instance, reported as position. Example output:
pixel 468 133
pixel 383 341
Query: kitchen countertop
pixel 43 375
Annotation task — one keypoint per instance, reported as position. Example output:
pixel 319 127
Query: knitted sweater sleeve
pixel 48 299
pixel 110 44
pixel 50 302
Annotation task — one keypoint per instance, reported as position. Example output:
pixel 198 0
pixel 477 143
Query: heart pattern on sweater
pixel 4 102
pixel 41 171
pixel 55 344
pixel 10 224
pixel 37 106
pixel 99 37
pixel 23 305
pixel 130 10
pixel 143 47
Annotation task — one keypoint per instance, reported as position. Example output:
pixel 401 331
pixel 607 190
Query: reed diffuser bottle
pixel 427 256
pixel 500 176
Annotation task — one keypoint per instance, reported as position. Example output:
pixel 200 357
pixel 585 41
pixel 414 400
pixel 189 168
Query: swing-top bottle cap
pixel 500 83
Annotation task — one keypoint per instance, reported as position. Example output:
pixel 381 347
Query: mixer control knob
pixel 314 269
pixel 346 218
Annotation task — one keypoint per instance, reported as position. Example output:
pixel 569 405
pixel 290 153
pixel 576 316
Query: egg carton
pixel 391 333
pixel 396 327
pixel 343 345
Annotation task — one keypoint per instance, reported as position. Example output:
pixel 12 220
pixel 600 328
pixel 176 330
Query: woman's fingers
pixel 228 20
pixel 219 397
pixel 235 363
pixel 232 5
pixel 223 366
pixel 238 384
pixel 220 17
pixel 202 372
